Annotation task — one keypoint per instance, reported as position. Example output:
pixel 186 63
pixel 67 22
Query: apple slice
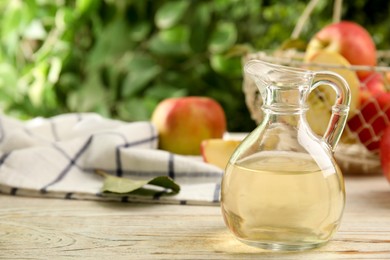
pixel 218 151
pixel 322 99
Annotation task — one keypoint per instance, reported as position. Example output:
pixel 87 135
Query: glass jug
pixel 282 188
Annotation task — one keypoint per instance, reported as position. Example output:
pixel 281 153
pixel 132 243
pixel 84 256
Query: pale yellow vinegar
pixel 282 201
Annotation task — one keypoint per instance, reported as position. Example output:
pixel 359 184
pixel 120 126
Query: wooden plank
pixel 39 228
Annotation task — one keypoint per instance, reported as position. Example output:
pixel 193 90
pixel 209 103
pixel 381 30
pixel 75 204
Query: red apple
pixel 374 83
pixel 384 153
pixel 350 40
pixel 373 118
pixel 183 123
pixel 371 86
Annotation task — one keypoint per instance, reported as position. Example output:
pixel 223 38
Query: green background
pixel 120 58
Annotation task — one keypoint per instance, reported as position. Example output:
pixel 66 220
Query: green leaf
pixel 135 109
pixel 64 17
pixel 82 100
pixel 16 17
pixel 8 77
pixel 139 32
pixel 142 70
pixel 55 70
pixel 222 6
pixel 155 186
pixel 173 41
pixel 177 34
pixel 136 81
pixel 35 30
pixel 170 13
pixel 229 66
pixel 162 91
pixel 223 37
pixel 39 83
pixel 86 6
pixel 9 91
pixel 201 21
pixel 139 61
pixel 110 45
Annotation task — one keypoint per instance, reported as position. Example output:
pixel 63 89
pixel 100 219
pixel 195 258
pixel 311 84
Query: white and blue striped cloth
pixel 56 157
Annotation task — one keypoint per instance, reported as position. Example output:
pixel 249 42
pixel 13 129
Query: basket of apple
pixel 346 48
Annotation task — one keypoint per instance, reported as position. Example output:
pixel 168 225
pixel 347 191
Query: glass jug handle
pixel 341 107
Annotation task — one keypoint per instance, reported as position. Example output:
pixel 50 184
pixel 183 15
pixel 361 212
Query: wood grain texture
pixel 38 228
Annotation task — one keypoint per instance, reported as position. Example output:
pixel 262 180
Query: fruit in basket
pixel 218 151
pixel 183 123
pixel 322 99
pixel 374 83
pixel 384 153
pixel 349 39
pixel 373 118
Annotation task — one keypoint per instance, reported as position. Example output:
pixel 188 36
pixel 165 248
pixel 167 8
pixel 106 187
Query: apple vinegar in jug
pixel 282 197
pixel 282 188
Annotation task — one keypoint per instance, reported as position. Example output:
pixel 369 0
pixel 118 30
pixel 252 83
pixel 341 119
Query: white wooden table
pixel 36 228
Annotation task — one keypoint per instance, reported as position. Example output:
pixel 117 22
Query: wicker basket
pixel 352 156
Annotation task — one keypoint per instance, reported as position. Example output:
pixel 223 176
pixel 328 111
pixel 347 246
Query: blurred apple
pixel 374 83
pixel 184 122
pixel 384 153
pixel 218 151
pixel 349 39
pixel 374 111
pixel 322 99
pixel 372 120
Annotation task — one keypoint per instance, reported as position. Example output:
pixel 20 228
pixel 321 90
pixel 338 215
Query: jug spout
pixel 280 86
pixel 266 74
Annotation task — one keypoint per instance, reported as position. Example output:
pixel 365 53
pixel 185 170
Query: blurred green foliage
pixel 120 58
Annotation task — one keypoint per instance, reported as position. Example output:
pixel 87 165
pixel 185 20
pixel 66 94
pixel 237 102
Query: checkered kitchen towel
pixel 57 157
